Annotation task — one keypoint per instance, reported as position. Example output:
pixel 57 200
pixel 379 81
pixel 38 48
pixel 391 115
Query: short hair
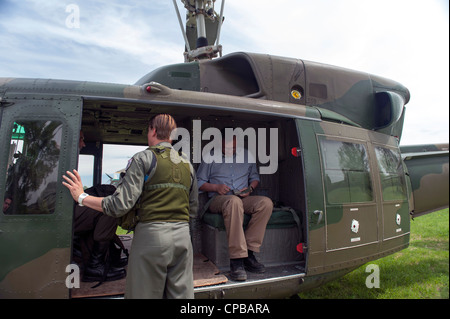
pixel 164 124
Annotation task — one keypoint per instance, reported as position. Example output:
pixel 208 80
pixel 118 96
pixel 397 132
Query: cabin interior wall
pixel 290 179
pixel 287 180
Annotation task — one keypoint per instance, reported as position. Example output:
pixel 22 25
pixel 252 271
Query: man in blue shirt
pixel 230 183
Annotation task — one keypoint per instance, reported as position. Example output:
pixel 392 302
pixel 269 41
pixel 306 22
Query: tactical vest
pixel 166 195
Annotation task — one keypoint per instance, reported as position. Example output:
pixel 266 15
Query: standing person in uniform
pixel 161 258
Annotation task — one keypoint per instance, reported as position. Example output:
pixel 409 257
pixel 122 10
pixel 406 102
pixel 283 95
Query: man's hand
pixel 244 192
pixel 74 184
pixel 221 189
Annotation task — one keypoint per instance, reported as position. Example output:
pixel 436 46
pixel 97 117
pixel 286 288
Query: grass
pixel 121 231
pixel 419 272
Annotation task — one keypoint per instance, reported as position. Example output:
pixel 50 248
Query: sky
pixel 119 41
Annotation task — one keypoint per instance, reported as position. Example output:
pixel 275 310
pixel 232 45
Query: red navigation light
pixel 295 151
pixel 152 89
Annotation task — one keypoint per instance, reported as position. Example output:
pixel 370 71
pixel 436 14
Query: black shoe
pixel 102 273
pixel 99 268
pixel 237 271
pixel 252 265
pixel 115 253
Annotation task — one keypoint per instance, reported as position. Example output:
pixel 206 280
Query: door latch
pixel 320 214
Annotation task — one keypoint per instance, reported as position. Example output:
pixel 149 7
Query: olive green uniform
pixel 160 264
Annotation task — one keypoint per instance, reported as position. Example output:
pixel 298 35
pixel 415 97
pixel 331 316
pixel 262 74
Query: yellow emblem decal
pixel 296 94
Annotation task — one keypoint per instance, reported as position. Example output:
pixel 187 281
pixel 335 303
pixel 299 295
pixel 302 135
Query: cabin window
pixel 346 172
pixel 391 174
pixel 32 171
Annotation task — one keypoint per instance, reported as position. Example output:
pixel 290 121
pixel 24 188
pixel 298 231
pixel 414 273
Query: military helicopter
pixel 328 153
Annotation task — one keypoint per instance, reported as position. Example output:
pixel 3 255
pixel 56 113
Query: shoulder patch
pixel 129 164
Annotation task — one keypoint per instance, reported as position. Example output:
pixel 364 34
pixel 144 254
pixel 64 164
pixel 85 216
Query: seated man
pixel 98 231
pixel 230 185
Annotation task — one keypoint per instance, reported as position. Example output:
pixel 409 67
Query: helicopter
pixel 329 155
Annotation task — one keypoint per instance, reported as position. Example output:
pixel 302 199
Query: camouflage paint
pixel 41 277
pixel 35 249
pixel 370 101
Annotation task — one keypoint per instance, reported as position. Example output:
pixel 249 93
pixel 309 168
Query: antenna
pixel 203 27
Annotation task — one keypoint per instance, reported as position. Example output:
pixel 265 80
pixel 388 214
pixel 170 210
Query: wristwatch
pixel 81 197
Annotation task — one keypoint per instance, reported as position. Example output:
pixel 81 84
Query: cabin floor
pixel 205 274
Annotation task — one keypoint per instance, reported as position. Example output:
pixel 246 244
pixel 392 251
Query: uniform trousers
pixel 233 208
pixel 160 262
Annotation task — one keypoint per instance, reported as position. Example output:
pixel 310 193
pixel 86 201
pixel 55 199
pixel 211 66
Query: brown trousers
pixel 233 208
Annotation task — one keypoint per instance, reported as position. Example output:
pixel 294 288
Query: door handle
pixel 320 214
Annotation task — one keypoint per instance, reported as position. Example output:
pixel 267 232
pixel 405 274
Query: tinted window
pixel 346 171
pixel 391 174
pixel 33 164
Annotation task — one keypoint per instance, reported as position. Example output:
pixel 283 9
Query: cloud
pixel 404 40
pixel 115 42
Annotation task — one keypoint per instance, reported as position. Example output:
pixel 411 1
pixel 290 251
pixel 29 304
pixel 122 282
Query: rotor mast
pixel 202 31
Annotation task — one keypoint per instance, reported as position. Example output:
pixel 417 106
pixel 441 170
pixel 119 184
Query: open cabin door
pixel 39 142
pixel 428 172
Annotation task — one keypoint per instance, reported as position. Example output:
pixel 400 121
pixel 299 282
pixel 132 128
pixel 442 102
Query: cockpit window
pixel 32 170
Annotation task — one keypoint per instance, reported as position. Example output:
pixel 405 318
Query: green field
pixel 418 272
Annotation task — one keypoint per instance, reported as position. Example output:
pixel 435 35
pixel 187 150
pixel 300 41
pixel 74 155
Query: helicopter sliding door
pixel 39 142
pixel 350 208
pixel 341 195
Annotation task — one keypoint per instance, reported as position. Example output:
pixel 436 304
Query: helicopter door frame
pixel 96 151
pixel 36 238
